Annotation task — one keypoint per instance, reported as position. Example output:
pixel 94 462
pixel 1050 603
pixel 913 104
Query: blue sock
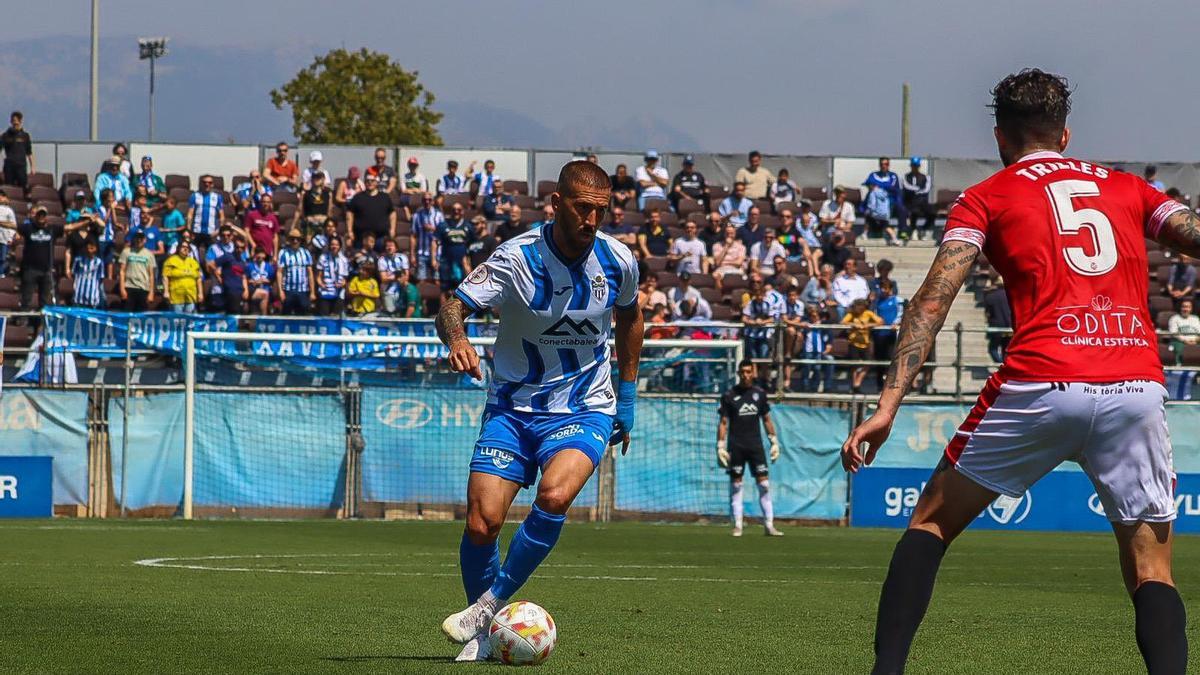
pixel 528 548
pixel 479 565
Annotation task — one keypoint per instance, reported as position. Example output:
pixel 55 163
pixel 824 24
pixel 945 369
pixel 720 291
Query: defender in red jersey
pixel 1081 380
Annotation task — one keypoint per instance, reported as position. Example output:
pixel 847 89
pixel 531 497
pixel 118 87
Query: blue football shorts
pixel 514 445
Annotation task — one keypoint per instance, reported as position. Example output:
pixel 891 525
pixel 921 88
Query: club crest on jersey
pixel 599 284
pixel 478 276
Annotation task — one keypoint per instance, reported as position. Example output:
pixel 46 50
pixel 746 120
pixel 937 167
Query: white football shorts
pixel 1019 431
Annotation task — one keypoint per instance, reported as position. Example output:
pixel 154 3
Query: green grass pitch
pixel 352 597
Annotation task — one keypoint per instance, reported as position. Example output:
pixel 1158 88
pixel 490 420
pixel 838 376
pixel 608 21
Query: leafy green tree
pixel 359 98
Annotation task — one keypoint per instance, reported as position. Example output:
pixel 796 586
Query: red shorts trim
pixel 987 398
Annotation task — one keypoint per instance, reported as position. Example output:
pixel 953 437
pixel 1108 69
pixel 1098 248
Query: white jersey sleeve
pixel 489 284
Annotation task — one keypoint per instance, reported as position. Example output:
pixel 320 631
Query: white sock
pixel 764 500
pixel 735 503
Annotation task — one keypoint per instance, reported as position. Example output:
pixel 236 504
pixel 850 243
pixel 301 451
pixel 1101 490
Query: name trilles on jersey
pixel 552 350
pixel 1069 238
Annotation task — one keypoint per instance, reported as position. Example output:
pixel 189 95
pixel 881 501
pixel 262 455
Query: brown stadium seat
pixel 716 193
pixel 712 295
pixel 403 228
pixel 797 267
pixel 687 207
pixel 530 216
pixel 1161 319
pixel 41 179
pixel 668 280
pixel 674 231
pixel 14 192
pixel 181 196
pixel 634 218
pixel 702 281
pixel 764 205
pixel 660 204
pixel 1161 303
pixel 175 180
pixel 733 282
pixel 1155 258
pixel 1191 355
pixel 519 187
pixel 816 195
pixel 219 183
pixel 1165 354
pixel 545 188
pixel 841 348
pixel 65 290
pixel 698 218
pixel 853 195
pixel 525 202
pixel 71 179
pixel 281 197
pixel 722 312
pixel 43 193
pixel 657 264
pixel 53 206
pixel 866 269
pixel 238 180
pixel 9 302
pixel 770 220
pixel 286 212
pixel 462 199
pixel 858 253
pixel 17 336
pixel 668 219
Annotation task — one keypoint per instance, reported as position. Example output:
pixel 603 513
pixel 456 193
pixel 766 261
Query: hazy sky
pixel 805 77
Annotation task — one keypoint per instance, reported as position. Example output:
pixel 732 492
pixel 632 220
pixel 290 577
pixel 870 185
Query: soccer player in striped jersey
pixel 551 405
pixel 87 277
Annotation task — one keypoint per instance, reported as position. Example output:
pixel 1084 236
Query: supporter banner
pixel 361 356
pixel 100 334
pixel 53 424
pixel 153 461
pixel 25 487
pixel 1062 501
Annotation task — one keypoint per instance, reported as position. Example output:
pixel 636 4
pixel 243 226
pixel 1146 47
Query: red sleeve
pixel 967 220
pixel 1156 208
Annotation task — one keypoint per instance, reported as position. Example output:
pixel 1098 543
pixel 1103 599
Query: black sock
pixel 1161 628
pixel 905 596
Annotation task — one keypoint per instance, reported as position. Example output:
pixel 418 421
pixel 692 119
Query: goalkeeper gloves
pixel 626 410
pixel 774 447
pixel 722 453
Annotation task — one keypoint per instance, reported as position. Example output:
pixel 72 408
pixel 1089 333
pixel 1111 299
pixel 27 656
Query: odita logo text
pixel 565 432
pixel 501 458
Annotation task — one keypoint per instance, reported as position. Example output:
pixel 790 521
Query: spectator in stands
pixel 819 290
pixel 111 231
pixel 18 152
pixel 803 239
pixel 889 182
pixel 1184 327
pixel 371 212
pixel 124 166
pixel 783 192
pixel 453 241
pixel 136 278
pixel 689 184
pixel 512 227
pixel 414 185
pixel 351 185
pixel 729 256
pixel 486 181
pixel 173 222
pixel 999 315
pixel 624 187
pixel 657 329
pixel 547 217
pixel 206 212
pixel 87 278
pixel 652 180
pixel 688 253
pixel 407 297
pixel 259 275
pixel 314 211
pixel 451 183
pixel 333 271
pixel 735 208
pixel 482 242
pixel 145 224
pixel 156 189
pixel 860 319
pixel 889 309
pixel 835 252
pixel 294 276
pixel 363 291
pixel 315 159
pixel 249 194
pixel 82 225
pixel 792 319
pixel 877 211
pixel 231 275
pixel 1181 283
pixel 619 229
pixel 649 294
pixel 391 265
pixel 653 239
pixel 848 287
pixel 281 172
pixel 365 254
pixel 263 226
pixel 320 241
pixel 780 279
pixel 1151 175
pixel 917 188
pixel 426 223
pixel 757 179
pixel 758 318
pixel 682 294
pixel 8 232
pixel 753 231
pixel 498 205
pixel 764 251
pixel 712 232
pixel 138 210
pixel 110 178
pixel 817 346
pixel 837 213
pixel 384 173
pixel 883 272
pixel 181 279
pixel 37 259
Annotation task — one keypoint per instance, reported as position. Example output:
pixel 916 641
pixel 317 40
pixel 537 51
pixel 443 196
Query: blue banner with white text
pixel 26 487
pixel 100 334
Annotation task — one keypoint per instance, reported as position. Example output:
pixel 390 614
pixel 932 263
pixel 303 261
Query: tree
pixel 359 98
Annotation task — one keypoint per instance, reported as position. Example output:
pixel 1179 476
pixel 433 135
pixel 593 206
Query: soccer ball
pixel 522 634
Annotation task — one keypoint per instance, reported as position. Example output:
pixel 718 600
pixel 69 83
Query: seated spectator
pixel 407 298
pixel 384 173
pixel 884 179
pixel 835 252
pixel 87 278
pixel 111 178
pixel 649 294
pixel 248 195
pixel 999 315
pixel 136 279
pixel 684 295
pixel 371 212
pixel 652 180
pixel 294 277
pixel 498 205
pixel 1181 283
pixel 259 275
pixel 181 279
pixel 413 185
pixel 364 254
pixel 817 346
pixel 917 188
pixel 735 209
pixel 173 222
pixel 1150 173
pixel 453 241
pixel 764 251
pixel 819 290
pixel 320 241
pixel 547 217
pixel 352 185
pixel 451 183
pixel 753 231
pixel 712 232
pixel 780 279
pixel 315 161
pixel 1184 327
pixel 689 184
pixel 837 213
pixel 688 253
pixel 759 316
pixel 482 242
pixel 486 181
pixel 206 212
pixel 624 187
pixel 333 270
pixel 802 242
pixel 138 209
pixel 156 189
pixel 423 251
pixel 231 276
pixel 848 287
pixel 861 319
pixel 653 239
pixel 757 179
pixel 281 172
pixel 890 309
pixel 511 228
pixel 363 291
pixel 783 192
pixel 619 229
pixel 391 265
pixel 729 256
pixel 877 211
pixel 656 328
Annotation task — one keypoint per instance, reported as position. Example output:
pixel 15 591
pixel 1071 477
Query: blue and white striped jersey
pixel 425 224
pixel 205 210
pixel 89 281
pixel 295 263
pixel 332 270
pixel 552 351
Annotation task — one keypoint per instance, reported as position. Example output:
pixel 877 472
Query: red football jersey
pixel 1069 238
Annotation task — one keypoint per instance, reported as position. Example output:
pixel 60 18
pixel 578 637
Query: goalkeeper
pixel 739 442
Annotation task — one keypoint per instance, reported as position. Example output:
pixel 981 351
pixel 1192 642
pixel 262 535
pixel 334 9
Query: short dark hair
pixel 745 362
pixel 1150 170
pixel 17 114
pixel 885 159
pixel 582 173
pixel 1032 105
pixel 753 154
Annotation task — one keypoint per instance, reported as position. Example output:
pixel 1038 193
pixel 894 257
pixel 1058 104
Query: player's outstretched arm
pixel 1180 232
pixel 629 333
pixel 452 331
pixel 923 318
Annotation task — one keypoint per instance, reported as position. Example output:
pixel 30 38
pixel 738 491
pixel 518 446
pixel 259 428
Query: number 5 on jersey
pixel 1072 221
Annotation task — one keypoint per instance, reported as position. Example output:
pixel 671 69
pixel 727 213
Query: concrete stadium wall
pixel 547 164
pixel 45 159
pixel 83 158
pixel 852 171
pixel 510 164
pixel 721 169
pixel 337 159
pixel 226 161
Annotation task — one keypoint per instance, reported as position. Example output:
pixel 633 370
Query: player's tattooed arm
pixel 1181 232
pixel 924 316
pixel 452 331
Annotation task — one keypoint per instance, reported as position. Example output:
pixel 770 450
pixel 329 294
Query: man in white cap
pixel 314 166
pixel 652 180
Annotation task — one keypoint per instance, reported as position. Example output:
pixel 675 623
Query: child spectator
pixel 259 274
pixel 332 271
pixel 87 277
pixel 364 292
pixel 860 319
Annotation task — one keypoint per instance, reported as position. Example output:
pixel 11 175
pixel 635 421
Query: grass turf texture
pixel 356 597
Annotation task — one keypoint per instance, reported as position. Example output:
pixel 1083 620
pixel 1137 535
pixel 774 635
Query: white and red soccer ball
pixel 522 634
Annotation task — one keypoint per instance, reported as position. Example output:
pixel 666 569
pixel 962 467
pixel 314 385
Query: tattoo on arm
pixel 450 327
pixel 1181 233
pixel 927 312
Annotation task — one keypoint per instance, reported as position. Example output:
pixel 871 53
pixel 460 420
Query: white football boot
pixel 462 626
pixel 770 531
pixel 478 649
pixel 737 531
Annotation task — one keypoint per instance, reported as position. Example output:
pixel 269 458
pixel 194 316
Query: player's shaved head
pixel 1031 107
pixel 582 174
